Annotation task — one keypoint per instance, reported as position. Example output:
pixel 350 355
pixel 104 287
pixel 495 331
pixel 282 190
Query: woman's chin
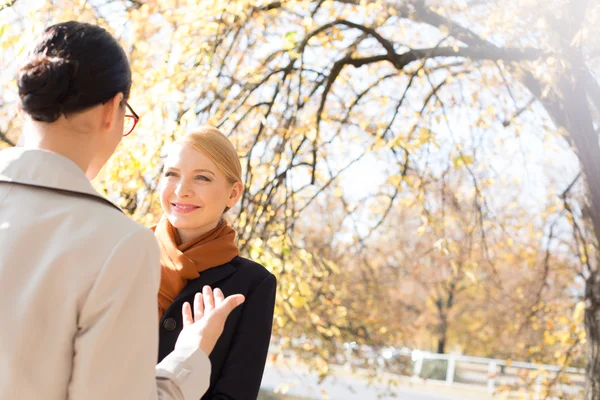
pixel 183 222
pixel 179 222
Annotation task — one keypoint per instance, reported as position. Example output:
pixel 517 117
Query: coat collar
pixel 209 277
pixel 43 168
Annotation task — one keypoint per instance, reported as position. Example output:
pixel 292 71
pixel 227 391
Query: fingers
pixel 186 312
pixel 198 306
pixel 219 297
pixel 230 303
pixel 209 300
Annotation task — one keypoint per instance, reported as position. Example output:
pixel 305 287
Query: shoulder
pixel 133 255
pixel 256 274
pixel 110 231
pixel 117 228
pixel 249 267
pixel 133 233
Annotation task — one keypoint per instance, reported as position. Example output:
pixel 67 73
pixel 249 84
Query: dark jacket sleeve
pixel 244 365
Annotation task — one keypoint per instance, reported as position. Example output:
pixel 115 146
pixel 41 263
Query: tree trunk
pixel 579 124
pixel 592 329
pixel 442 326
pixel 441 347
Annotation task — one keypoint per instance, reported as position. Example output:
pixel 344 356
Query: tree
pixel 553 66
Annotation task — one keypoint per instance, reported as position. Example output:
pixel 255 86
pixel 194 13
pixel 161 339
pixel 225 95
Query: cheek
pixel 209 194
pixel 165 193
pixel 220 198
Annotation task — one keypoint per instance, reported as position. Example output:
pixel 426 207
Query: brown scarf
pixel 184 262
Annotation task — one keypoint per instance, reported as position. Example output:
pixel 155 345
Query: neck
pixel 187 235
pixel 60 138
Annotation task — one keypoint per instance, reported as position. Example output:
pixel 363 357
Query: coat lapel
pixel 209 277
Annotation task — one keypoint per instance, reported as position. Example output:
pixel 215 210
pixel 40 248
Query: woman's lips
pixel 184 208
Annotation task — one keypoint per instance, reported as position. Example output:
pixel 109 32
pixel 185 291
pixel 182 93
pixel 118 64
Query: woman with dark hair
pixel 78 300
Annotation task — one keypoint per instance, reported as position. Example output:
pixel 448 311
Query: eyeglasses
pixel 131 120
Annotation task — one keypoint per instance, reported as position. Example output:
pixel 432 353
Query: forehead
pixel 183 156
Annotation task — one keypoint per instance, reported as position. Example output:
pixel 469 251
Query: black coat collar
pixel 209 277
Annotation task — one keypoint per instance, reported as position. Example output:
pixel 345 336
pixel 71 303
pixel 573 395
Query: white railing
pixel 486 373
pixel 418 357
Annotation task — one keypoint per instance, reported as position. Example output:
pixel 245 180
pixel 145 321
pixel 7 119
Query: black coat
pixel 239 358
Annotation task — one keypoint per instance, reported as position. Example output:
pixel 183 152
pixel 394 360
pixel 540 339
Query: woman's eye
pixel 202 178
pixel 169 173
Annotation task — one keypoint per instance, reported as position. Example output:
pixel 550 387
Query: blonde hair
pixel 216 146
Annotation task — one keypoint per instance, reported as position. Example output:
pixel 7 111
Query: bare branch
pixel 6 140
pixel 459 32
pixel 10 3
pixel 593 89
pixel 271 6
pixel 519 112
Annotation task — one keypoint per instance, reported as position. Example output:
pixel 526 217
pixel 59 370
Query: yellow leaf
pixel 579 309
pixel 412 181
pixel 321 365
pixel 304 288
pixel 336 331
pixel 314 318
pixel 398 142
pixel 454 266
pixel 462 161
pixel 333 266
pixel 289 311
pixel 324 331
pixel 297 301
pixel 280 321
pixel 549 339
pixel 395 180
pixel 471 276
pixel 425 135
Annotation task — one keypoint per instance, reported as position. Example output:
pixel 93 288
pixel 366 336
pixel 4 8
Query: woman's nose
pixel 182 190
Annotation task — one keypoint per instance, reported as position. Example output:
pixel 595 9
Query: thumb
pixel 230 303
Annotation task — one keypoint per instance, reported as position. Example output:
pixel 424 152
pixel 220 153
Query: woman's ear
pixel 234 195
pixel 110 110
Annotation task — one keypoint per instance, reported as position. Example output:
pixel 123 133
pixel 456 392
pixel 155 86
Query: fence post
pixel 538 387
pixel 450 370
pixel 492 377
pixel 348 363
pixel 417 357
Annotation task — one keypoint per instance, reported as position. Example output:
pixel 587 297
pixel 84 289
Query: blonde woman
pixel 202 180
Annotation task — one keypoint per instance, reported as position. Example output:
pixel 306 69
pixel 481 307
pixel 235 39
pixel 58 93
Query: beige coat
pixel 78 286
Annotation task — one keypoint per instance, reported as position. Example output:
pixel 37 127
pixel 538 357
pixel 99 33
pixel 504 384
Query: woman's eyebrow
pixel 204 170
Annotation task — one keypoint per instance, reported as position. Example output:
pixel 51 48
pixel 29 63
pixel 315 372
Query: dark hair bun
pixel 72 67
pixel 44 87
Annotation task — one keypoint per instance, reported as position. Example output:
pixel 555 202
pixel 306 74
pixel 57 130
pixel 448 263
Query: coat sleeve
pixel 244 365
pixel 117 340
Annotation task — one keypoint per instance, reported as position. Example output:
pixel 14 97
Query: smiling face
pixel 195 192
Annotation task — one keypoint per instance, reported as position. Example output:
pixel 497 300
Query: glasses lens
pixel 129 124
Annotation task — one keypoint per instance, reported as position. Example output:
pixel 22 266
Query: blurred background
pixel 422 176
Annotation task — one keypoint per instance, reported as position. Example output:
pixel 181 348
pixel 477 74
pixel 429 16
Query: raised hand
pixel 205 326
